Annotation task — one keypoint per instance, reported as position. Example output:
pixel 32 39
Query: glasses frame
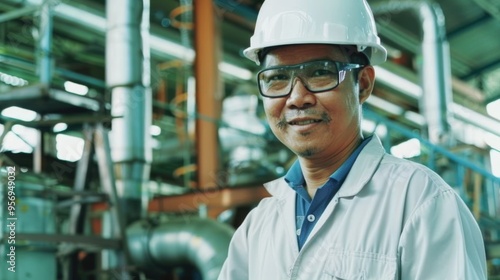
pixel 342 68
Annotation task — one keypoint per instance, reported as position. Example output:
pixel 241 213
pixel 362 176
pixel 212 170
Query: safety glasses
pixel 316 76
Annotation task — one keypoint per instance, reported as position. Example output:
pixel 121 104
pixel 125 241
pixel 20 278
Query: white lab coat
pixel 391 219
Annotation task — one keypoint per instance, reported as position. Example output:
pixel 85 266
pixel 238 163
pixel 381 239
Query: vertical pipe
pixel 45 42
pixel 44 69
pixel 128 80
pixel 207 92
pixel 436 72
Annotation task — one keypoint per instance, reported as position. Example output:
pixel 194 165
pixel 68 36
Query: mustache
pixel 308 113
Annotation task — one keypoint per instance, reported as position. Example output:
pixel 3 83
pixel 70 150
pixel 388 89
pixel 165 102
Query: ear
pixel 366 81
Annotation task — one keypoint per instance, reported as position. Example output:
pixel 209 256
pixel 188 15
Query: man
pixel 345 209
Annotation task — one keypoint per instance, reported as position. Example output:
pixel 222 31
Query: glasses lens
pixel 316 76
pixel 320 76
pixel 275 82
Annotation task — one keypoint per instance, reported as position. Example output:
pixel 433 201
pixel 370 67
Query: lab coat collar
pixel 363 169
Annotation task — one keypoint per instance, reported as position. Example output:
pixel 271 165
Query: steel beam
pixel 215 200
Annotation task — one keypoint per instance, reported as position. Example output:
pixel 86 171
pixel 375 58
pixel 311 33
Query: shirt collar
pixel 295 178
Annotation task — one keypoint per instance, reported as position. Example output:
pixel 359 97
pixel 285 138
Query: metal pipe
pixel 208 93
pixel 128 80
pixel 197 241
pixel 435 70
pixel 45 43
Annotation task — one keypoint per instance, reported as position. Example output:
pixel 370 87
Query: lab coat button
pixel 311 218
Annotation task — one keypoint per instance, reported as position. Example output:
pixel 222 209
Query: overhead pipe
pixel 200 242
pixel 435 71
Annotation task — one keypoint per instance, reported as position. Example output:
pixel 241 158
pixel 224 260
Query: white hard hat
pixel 338 22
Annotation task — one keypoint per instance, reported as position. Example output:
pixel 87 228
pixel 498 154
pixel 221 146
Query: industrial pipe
pixel 200 242
pixel 128 79
pixel 435 72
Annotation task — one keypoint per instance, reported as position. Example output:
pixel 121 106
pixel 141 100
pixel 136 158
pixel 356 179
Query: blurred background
pixel 138 141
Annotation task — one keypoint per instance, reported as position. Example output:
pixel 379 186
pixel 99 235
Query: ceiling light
pixel 398 83
pixel 493 109
pixel 69 148
pixel 235 71
pixel 155 130
pixel 492 140
pixel 370 127
pixel 12 80
pixel 385 105
pixel 18 113
pixel 59 127
pixel 76 88
pixel 407 149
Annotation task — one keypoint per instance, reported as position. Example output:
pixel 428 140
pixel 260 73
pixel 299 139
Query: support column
pixel 208 96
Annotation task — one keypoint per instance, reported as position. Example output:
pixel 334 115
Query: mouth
pixel 303 122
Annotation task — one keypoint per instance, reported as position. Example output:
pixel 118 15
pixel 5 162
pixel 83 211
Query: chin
pixel 306 153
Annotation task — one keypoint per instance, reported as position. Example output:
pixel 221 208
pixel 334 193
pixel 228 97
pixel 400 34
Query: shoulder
pixel 412 174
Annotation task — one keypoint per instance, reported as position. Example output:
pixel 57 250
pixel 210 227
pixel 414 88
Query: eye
pixel 275 77
pixel 321 72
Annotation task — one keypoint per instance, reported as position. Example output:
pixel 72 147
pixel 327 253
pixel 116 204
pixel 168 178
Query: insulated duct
pixel 128 79
pixel 435 71
pixel 200 242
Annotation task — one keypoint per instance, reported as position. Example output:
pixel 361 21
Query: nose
pixel 300 97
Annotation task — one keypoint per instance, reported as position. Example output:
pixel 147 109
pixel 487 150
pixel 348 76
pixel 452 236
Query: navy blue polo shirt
pixel 307 210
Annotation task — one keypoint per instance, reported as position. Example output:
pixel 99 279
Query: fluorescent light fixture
pixel 235 71
pixel 407 149
pixel 155 130
pixel 493 109
pixel 81 16
pixel 370 126
pixel 172 48
pixel 385 105
pixel 12 80
pixel 13 143
pixel 29 135
pixel 69 148
pixel 415 118
pixel 188 54
pixel 495 162
pixel 397 82
pixel 18 113
pixel 76 88
pixel 59 127
pixel 469 116
pixel 492 140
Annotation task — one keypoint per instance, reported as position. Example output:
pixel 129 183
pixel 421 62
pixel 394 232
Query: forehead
pixel 294 54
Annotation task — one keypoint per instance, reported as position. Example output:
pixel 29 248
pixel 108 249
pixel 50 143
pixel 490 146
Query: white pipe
pixel 435 72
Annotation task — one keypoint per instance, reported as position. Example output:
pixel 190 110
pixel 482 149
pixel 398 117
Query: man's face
pixel 315 125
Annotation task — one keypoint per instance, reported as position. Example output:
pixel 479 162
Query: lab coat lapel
pixel 286 208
